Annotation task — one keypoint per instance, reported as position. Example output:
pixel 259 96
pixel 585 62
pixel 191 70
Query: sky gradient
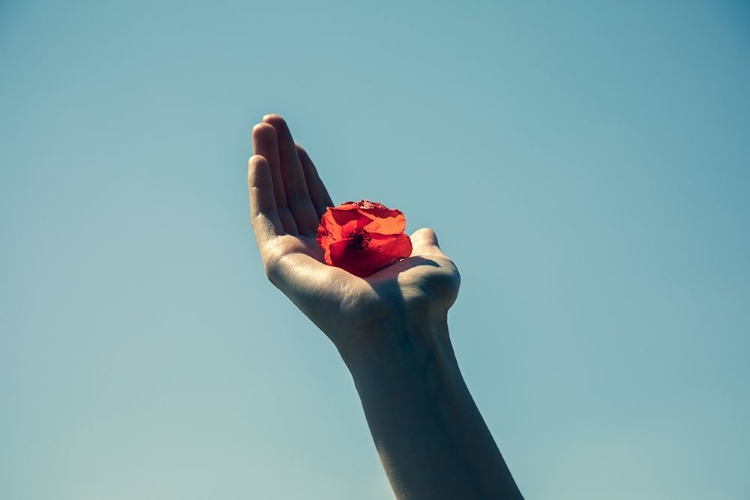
pixel 586 165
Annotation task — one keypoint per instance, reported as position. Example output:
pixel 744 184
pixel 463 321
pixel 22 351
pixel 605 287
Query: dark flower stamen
pixel 360 238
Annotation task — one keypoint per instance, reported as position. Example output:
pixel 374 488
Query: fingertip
pixel 257 170
pixel 426 236
pixel 273 118
pixel 307 164
pixel 256 159
pixel 262 129
pixel 279 124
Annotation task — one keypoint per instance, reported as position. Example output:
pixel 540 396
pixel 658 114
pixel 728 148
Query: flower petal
pixel 384 220
pixel 391 248
pixel 336 224
pixel 383 227
pixel 392 224
pixel 341 217
pixel 382 251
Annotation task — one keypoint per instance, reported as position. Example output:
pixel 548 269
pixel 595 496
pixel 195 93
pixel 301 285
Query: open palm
pixel 287 199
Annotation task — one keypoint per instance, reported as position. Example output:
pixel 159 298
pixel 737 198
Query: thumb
pixel 424 242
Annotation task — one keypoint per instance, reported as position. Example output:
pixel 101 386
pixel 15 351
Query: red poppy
pixel 363 237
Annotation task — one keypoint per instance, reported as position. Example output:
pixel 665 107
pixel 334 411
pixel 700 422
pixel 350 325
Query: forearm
pixel 390 328
pixel 431 438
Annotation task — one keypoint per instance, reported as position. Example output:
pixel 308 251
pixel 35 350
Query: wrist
pixel 399 344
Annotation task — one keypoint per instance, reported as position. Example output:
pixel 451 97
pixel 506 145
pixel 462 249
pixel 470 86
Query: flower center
pixel 360 238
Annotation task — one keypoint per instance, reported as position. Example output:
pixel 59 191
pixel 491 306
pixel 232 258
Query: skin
pixel 390 329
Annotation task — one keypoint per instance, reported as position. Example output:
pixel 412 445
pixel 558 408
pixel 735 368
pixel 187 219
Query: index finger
pixel 263 212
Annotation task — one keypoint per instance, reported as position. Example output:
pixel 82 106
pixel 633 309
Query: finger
pixel 319 196
pixel 266 145
pixel 444 284
pixel 424 242
pixel 263 211
pixel 295 185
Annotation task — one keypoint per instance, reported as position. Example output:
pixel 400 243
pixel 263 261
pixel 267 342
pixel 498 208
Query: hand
pixel 390 328
pixel 287 199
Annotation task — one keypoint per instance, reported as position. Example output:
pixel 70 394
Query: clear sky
pixel 586 165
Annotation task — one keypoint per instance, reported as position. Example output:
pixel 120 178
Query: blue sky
pixel 585 164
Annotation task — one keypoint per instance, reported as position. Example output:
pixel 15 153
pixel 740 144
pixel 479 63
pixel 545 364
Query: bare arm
pixel 390 329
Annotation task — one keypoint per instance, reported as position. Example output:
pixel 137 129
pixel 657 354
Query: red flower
pixel 363 237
